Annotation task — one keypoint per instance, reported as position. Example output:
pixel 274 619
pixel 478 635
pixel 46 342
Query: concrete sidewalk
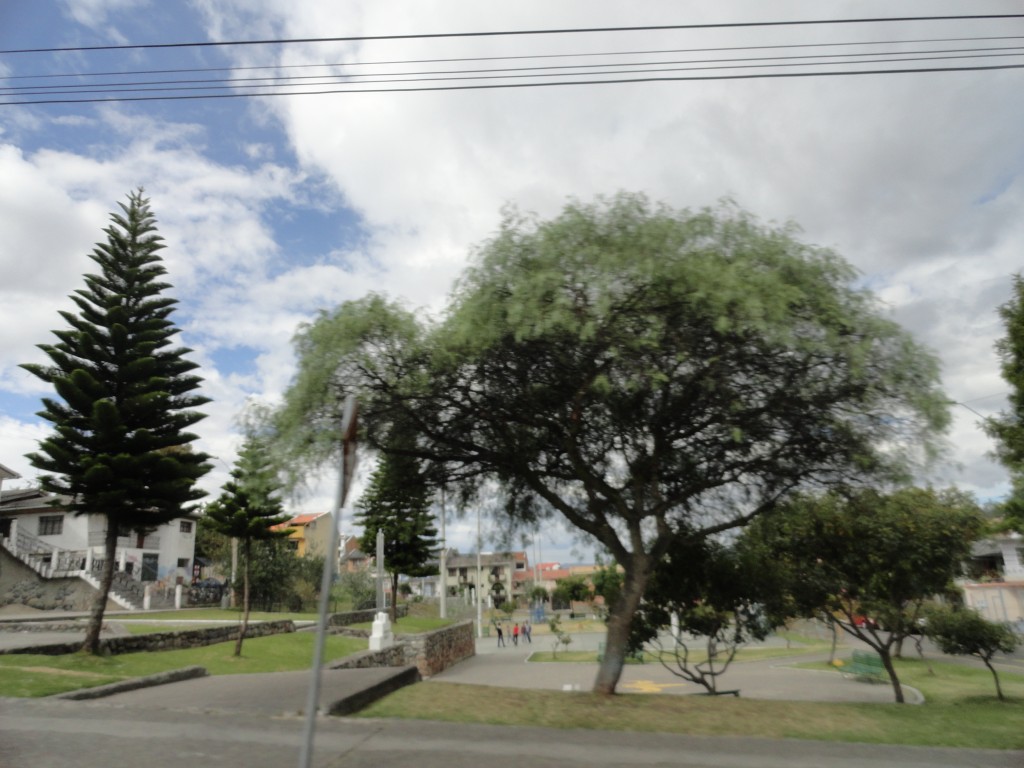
pixel 775 679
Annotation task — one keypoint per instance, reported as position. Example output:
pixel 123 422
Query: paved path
pixel 769 679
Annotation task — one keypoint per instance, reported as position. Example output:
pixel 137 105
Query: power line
pixel 535 56
pixel 492 86
pixel 511 33
pixel 507 73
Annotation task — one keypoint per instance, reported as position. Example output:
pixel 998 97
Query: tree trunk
pixel 897 689
pixel 999 688
pixel 619 622
pixel 245 599
pixel 99 606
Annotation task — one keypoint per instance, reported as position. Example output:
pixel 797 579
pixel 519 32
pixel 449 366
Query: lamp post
pixel 443 565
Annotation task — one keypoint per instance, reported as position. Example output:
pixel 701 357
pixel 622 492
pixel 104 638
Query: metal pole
pixel 479 580
pixel 443 569
pixel 380 572
pixel 348 428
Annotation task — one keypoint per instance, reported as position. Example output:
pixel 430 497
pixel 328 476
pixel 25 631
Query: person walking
pixel 501 637
pixel 515 634
pixel 526 632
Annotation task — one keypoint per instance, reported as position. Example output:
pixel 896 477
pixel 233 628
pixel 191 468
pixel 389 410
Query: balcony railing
pixel 99 539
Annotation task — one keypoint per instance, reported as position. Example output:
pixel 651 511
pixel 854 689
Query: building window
pixel 183 562
pixel 51 525
pixel 186 526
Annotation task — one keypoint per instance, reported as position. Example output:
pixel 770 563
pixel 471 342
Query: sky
pixel 274 208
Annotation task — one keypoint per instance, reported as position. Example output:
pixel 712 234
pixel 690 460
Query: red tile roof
pixel 300 520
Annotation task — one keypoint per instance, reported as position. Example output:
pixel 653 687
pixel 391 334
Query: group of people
pixel 517 631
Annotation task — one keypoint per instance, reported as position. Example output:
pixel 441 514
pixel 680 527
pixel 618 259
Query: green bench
pixel 635 655
pixel 868 666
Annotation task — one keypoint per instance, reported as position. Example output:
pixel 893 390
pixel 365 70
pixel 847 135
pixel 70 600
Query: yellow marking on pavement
pixel 649 686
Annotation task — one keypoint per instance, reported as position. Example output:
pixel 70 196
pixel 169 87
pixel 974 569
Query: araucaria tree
pixel 125 396
pixel 869 560
pixel 248 509
pixel 646 373
pixel 398 504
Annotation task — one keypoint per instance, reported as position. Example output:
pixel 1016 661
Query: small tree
pixel 358 586
pixel 716 598
pixel 398 503
pixel 965 632
pixel 867 558
pixel 569 590
pixel 120 448
pixel 559 635
pixel 248 509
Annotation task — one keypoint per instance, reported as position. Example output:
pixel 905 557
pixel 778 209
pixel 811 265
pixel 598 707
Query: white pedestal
pixel 381 636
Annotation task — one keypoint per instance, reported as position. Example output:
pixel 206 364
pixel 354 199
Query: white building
pixel 56 543
pixel 997 590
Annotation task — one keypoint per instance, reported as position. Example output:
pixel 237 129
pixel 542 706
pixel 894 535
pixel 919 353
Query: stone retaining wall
pixel 434 652
pixel 361 617
pixel 430 652
pixel 165 641
pixel 20 585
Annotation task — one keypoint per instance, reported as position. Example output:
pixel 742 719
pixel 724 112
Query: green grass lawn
pixel 213 614
pixel 29 675
pixel 961 711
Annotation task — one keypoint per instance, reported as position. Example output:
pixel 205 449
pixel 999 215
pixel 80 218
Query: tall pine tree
pixel 248 510
pixel 120 446
pixel 398 502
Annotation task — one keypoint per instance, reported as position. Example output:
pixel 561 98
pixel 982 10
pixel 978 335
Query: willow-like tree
pixel 249 509
pixel 644 372
pixel 125 397
pixel 398 503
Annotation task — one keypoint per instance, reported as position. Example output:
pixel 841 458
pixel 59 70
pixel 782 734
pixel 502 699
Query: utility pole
pixel 348 464
pixel 380 572
pixel 479 579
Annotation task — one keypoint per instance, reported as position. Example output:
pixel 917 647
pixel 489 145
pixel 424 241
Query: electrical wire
pixel 493 86
pixel 719 49
pixel 468 75
pixel 519 32
pixel 286 81
pixel 577 69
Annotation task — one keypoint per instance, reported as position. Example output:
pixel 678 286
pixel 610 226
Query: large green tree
pixel 641 371
pixel 868 559
pixel 1008 427
pixel 125 396
pixel 398 503
pixel 248 509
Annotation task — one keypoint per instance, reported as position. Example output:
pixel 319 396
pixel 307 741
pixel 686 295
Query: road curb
pixel 149 681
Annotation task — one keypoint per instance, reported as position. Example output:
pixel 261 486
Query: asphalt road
pixel 60 734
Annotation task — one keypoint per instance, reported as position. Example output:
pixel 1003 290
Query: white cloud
pixel 914 179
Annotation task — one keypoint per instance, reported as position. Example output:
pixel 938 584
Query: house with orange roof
pixel 310 533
